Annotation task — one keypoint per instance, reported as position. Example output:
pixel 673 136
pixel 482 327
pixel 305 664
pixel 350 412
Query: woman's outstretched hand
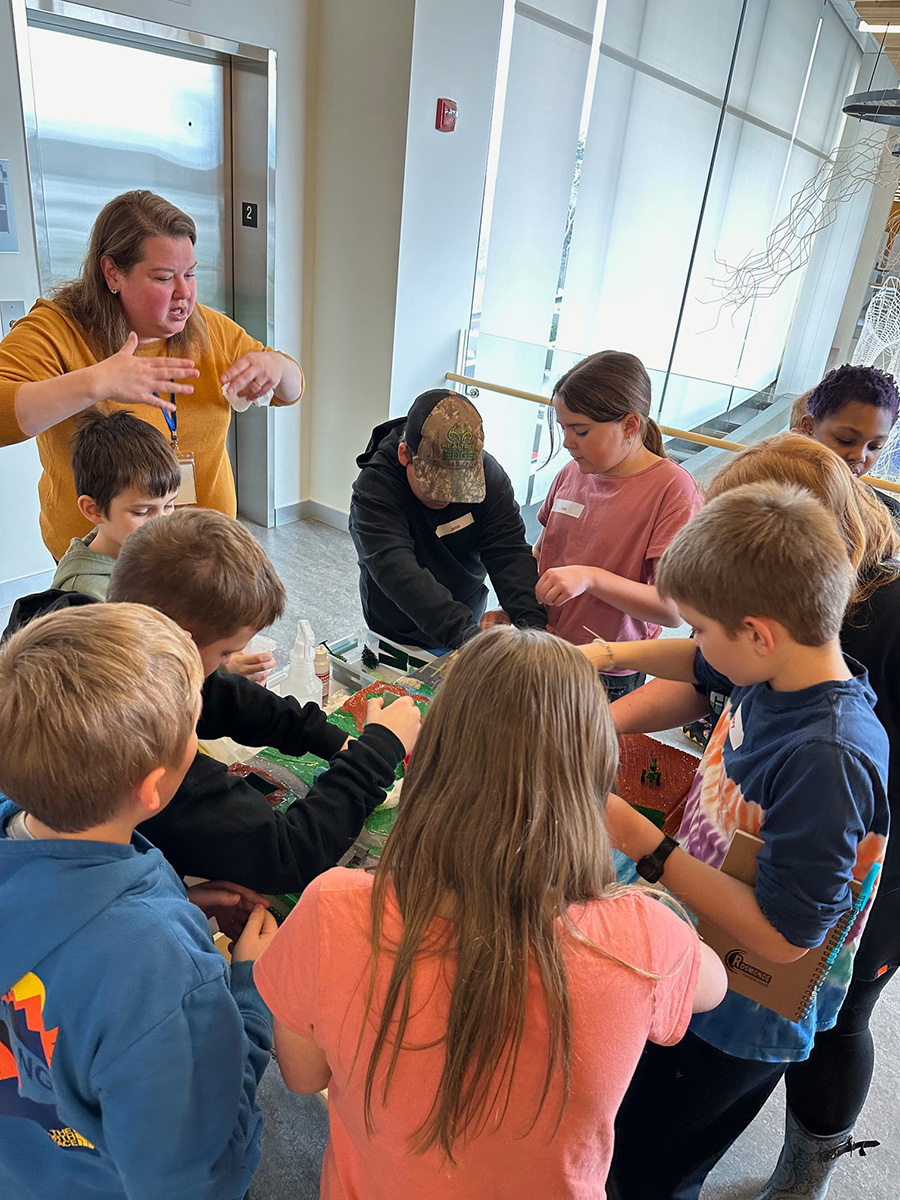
pixel 136 380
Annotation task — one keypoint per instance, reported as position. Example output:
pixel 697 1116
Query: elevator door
pixel 112 117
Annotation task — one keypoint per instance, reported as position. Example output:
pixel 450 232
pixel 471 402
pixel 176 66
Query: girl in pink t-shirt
pixel 611 512
pixel 477 1009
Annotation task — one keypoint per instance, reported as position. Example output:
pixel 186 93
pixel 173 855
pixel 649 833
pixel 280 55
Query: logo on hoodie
pixel 26 1052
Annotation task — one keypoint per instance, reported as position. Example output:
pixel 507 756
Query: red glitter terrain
pixel 356 704
pixel 676 768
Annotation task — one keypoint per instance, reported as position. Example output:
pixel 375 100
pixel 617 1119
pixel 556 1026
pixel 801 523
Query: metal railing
pixel 686 435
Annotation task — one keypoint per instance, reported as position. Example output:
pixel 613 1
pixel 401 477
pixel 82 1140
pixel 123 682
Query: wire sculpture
pixel 879 341
pixel 813 208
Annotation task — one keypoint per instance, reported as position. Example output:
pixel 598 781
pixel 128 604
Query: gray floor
pixel 318 566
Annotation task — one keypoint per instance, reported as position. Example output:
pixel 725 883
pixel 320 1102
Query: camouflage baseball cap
pixel 446 438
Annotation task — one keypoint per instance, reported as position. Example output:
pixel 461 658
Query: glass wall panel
pixel 620 230
pixel 534 181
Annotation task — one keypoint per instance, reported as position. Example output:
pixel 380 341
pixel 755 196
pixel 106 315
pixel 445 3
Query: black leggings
pixel 684 1107
pixel 828 1090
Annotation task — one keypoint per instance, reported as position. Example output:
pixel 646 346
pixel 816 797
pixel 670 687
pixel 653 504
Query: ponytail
pixel 651 435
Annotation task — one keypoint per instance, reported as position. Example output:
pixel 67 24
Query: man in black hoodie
pixel 431 515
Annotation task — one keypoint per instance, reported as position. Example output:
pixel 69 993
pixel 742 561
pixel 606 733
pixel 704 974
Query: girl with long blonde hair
pixel 477 1009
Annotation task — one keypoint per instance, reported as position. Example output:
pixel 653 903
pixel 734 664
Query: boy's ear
pixel 807 425
pixel 146 792
pixel 404 455
pixel 87 506
pixel 762 634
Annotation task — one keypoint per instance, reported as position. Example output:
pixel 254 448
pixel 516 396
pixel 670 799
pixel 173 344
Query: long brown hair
pixel 607 386
pixel 501 829
pixel 119 231
pixel 872 540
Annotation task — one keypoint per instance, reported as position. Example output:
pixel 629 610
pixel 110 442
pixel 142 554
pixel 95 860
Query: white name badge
pixel 187 492
pixel 455 526
pixel 570 507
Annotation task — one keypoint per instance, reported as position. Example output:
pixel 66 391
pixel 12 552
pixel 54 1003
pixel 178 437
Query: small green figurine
pixel 650 776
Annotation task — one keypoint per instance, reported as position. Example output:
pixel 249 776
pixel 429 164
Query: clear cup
pixel 260 644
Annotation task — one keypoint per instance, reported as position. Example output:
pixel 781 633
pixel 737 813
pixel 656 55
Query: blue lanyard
pixel 171 417
pixel 172 420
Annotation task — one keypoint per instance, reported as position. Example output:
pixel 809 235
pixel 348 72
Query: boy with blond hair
pixel 799 759
pixel 125 473
pixel 130 1051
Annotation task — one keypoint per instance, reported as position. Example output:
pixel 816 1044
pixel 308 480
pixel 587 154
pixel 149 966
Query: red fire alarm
pixel 445 121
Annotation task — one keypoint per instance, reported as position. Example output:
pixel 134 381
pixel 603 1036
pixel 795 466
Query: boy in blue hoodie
pixel 130 1052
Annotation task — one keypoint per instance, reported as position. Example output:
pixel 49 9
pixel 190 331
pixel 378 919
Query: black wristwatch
pixel 651 866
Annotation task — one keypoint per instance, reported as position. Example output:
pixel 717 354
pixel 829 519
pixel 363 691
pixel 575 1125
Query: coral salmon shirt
pixel 314 977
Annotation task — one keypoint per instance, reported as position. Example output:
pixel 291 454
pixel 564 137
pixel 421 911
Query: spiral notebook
pixel 786 988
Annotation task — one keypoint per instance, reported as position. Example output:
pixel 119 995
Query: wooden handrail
pixel 685 435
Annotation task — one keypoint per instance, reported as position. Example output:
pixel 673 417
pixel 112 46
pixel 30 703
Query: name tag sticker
pixel 736 729
pixel 455 526
pixel 570 507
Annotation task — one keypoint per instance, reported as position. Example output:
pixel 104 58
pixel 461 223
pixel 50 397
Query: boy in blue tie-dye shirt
pixel 797 758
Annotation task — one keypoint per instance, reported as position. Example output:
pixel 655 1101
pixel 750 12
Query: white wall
pixel 455 51
pixel 277 24
pixel 361 53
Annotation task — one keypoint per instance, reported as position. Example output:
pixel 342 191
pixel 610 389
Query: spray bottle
pixel 301 682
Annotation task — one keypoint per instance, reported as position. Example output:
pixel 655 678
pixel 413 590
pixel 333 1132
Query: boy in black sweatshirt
pixel 431 515
pixel 209 575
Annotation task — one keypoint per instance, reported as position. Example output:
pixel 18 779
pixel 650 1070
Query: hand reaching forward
pixel 261 927
pixel 129 379
pixel 494 617
pixel 255 667
pixel 560 584
pixel 402 718
pixel 230 903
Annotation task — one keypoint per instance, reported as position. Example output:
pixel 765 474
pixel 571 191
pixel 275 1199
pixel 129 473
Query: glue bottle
pixel 302 682
pixel 323 671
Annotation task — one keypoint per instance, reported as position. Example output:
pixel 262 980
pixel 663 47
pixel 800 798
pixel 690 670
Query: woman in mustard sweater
pixel 128 332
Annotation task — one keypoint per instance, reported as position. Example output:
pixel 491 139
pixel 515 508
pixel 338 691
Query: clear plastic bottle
pixel 302 682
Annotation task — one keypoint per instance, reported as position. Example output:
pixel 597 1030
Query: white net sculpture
pixel 888 465
pixel 879 341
